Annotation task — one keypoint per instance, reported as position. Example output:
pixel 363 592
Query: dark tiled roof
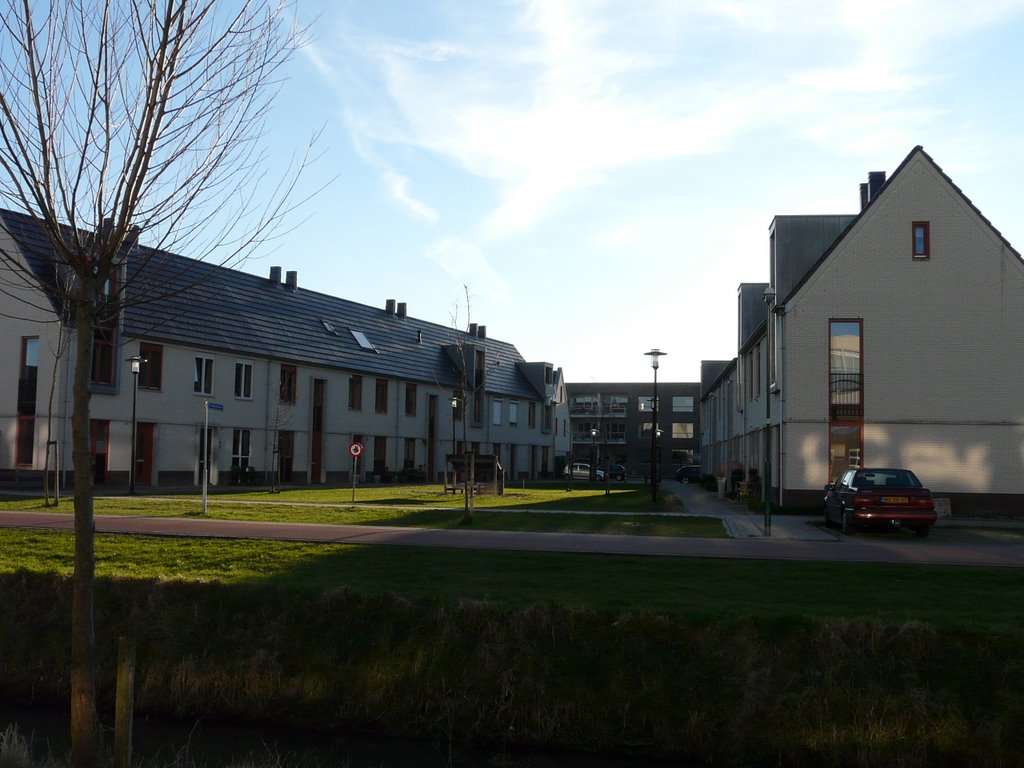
pixel 223 309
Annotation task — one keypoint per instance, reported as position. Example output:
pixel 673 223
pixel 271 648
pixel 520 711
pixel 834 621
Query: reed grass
pixel 789 691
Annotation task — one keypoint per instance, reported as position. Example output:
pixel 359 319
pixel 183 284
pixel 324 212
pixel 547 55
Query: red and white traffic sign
pixel 355 449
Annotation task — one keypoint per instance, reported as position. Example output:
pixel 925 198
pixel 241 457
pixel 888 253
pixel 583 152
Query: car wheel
pixel 922 532
pixel 846 522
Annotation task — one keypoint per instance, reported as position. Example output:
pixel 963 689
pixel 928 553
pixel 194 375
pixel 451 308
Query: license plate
pixel 895 500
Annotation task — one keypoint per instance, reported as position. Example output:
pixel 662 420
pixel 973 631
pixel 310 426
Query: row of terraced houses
pixel 274 382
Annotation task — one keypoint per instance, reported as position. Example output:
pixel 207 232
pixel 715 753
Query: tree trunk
pixel 84 720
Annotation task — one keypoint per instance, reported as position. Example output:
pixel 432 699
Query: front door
pixel 286 455
pixel 100 433
pixel 144 453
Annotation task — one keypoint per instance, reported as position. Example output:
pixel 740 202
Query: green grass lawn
pixel 687 589
pixel 624 511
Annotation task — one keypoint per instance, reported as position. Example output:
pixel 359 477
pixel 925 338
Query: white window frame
pixel 513 413
pixel 241 448
pixel 202 375
pixel 246 368
pixel 496 411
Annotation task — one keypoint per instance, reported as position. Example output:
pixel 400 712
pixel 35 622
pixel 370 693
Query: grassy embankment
pixel 732 661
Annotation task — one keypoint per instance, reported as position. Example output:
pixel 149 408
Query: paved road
pixel 792 539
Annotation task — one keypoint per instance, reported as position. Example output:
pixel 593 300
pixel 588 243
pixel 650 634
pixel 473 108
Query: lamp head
pixel 654 355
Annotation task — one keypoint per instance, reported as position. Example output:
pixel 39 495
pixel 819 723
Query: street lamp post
pixel 136 363
pixel 654 354
pixel 593 454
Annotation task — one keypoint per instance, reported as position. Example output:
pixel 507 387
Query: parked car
pixel 617 472
pixel 879 498
pixel 579 471
pixel 689 474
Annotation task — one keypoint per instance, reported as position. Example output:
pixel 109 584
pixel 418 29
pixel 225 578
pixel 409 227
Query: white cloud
pixel 468 266
pixel 399 187
pixel 565 95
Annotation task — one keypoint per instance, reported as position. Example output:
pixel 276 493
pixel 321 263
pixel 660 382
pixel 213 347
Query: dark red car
pixel 879 498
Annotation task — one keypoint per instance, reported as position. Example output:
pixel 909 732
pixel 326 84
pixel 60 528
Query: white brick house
pixel 295 376
pixel 900 343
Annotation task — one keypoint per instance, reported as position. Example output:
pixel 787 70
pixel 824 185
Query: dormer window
pixel 921 240
pixel 362 341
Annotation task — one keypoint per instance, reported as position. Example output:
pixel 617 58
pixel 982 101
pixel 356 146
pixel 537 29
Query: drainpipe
pixel 266 425
pixel 780 362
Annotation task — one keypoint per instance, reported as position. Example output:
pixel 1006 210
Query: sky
pixel 591 180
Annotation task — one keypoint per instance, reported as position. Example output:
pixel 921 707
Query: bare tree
pixel 119 117
pixel 473 381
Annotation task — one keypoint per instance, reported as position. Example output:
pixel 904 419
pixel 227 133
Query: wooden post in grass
pixel 124 704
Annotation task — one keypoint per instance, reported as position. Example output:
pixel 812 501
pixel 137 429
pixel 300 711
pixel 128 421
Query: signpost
pixel 355 449
pixel 207 407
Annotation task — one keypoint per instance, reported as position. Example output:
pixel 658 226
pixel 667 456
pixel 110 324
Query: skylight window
pixel 329 328
pixel 361 339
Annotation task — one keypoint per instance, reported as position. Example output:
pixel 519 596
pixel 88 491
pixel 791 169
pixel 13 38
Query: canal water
pixel 161 742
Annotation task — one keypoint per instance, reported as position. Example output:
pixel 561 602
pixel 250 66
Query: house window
pixel 151 369
pixel 682 404
pixel 531 415
pixel 202 376
pixel 496 411
pixel 846 389
pixel 103 347
pixel 27 386
pixel 380 454
pixel 289 383
pixel 757 370
pixel 410 399
pixel 243 380
pixel 682 430
pixel 355 392
pixel 513 413
pixel 380 400
pixel 409 461
pixel 921 239
pixel 240 441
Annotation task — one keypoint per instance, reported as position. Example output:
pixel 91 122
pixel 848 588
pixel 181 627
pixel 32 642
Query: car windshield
pixel 886 478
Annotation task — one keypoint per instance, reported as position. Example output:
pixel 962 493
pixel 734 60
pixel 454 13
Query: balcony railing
pixel 845 402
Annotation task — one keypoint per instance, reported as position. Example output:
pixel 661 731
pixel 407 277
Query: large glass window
pixel 682 404
pixel 846 388
pixel 845 382
pixel 381 396
pixel 844 448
